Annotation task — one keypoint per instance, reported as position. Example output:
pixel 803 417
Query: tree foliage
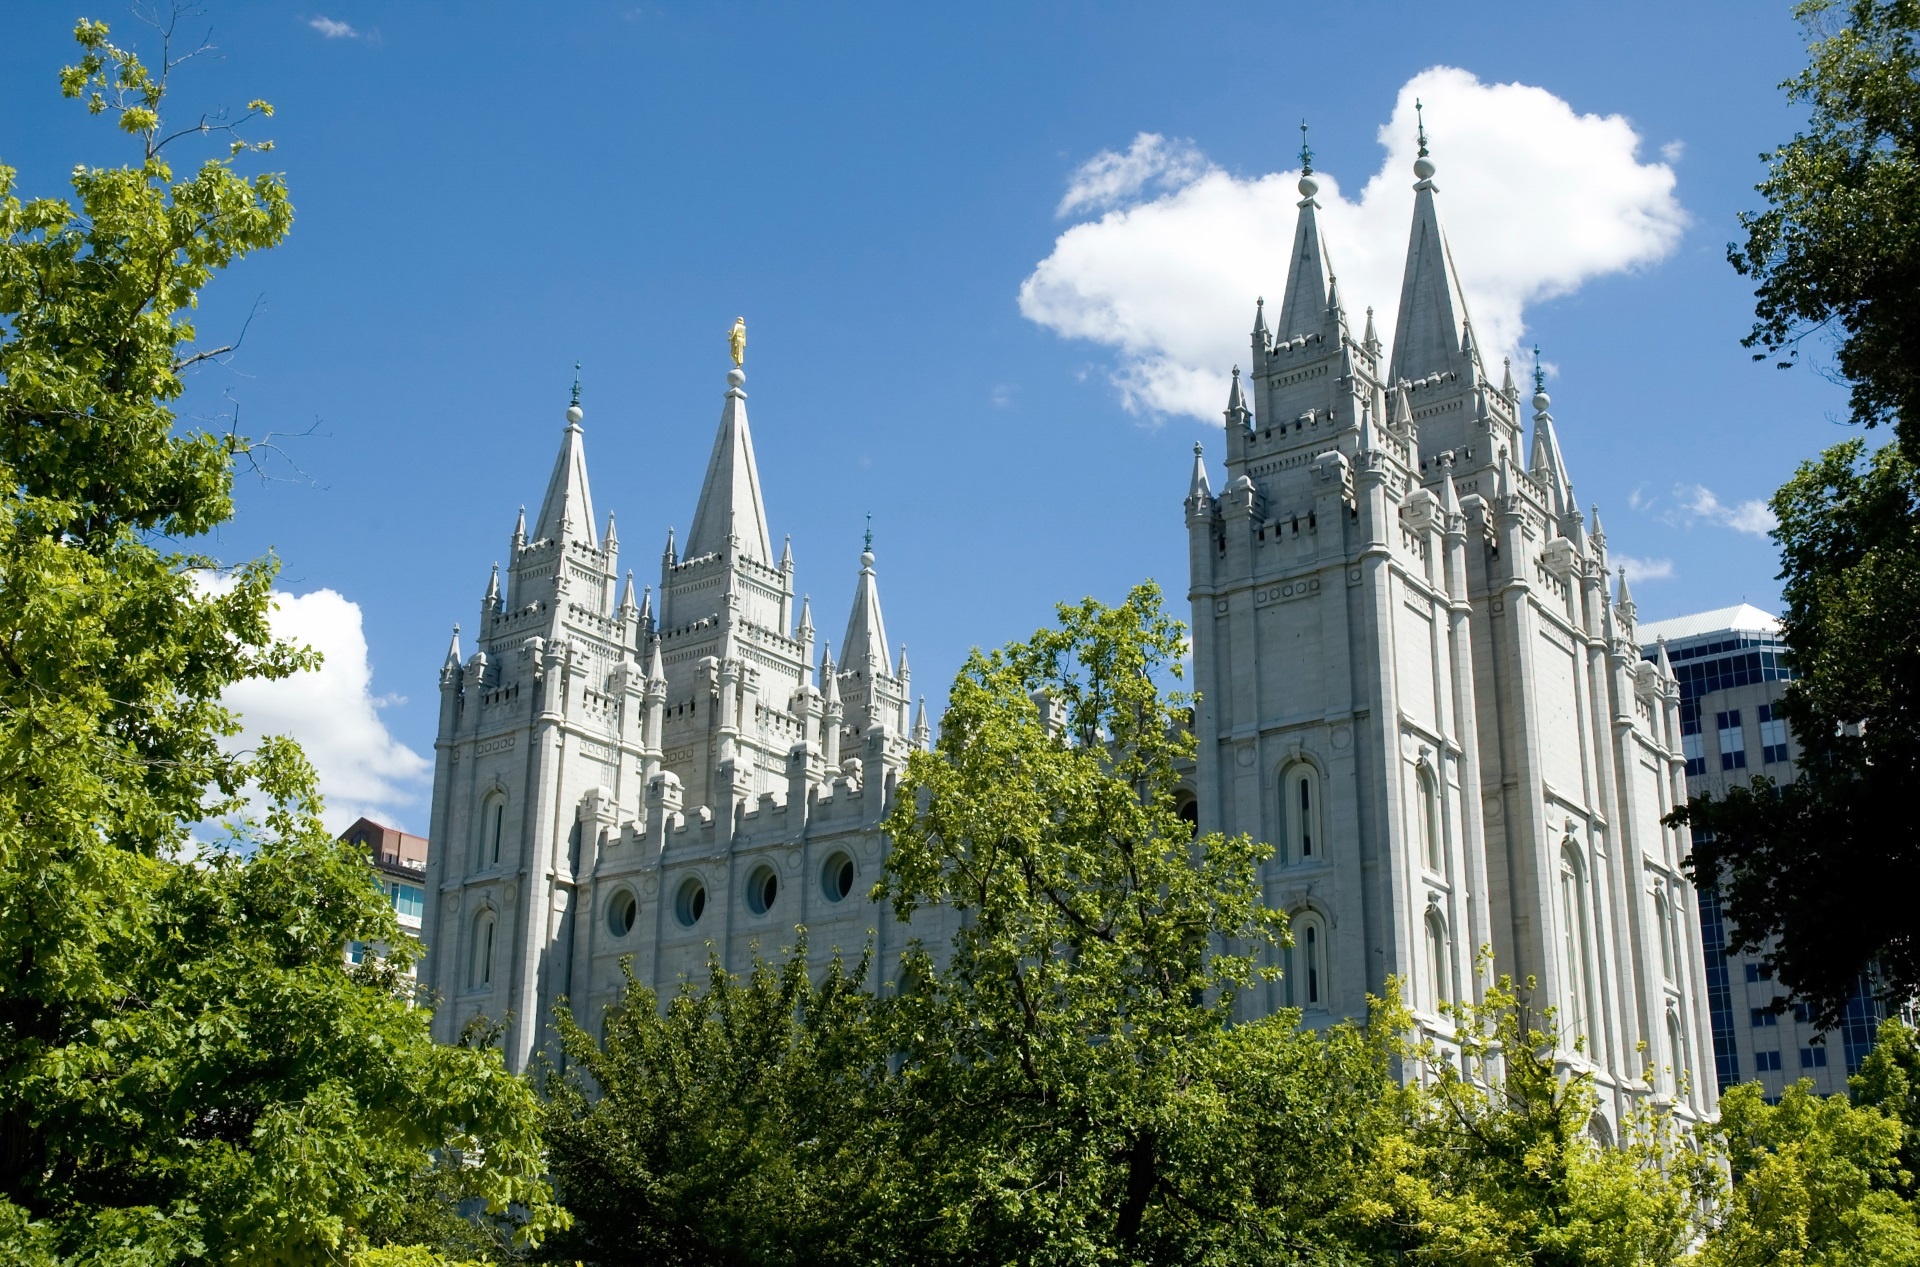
pixel 187 1072
pixel 1837 249
pixel 1814 872
pixel 744 1123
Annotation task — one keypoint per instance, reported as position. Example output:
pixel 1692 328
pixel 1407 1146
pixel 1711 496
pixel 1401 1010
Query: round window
pixel 691 902
pixel 762 887
pixel 836 878
pixel 622 912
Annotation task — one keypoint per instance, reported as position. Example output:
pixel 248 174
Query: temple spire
pixel 626 597
pixel 453 651
pixel 567 511
pixel 1309 293
pixel 1430 334
pixel 866 638
pixel 1200 489
pixel 730 502
pixel 493 590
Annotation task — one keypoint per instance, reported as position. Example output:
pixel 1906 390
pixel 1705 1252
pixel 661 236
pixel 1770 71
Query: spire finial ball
pixel 575 414
pixel 1541 401
pixel 1308 186
pixel 1423 167
pixel 736 377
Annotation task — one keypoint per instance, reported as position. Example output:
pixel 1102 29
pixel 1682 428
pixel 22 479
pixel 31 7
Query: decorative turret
pixel 1430 334
pixel 627 605
pixel 922 733
pixel 566 514
pixel 1370 341
pixel 450 667
pixel 1199 488
pixel 1623 607
pixel 866 640
pixel 730 507
pixel 520 531
pixel 1309 298
pixel 1238 416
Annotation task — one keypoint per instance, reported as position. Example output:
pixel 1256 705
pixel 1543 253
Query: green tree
pixel 1814 1184
pixel 187 1070
pixel 1814 872
pixel 747 1122
pixel 1837 249
pixel 1504 1166
pixel 1072 1089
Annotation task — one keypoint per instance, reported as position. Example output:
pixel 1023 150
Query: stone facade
pixel 1415 682
pixel 611 782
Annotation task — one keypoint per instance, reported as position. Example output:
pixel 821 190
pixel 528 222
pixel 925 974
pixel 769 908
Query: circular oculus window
pixel 690 903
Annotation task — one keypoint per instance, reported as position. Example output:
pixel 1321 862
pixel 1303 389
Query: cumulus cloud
pixel 333 713
pixel 1109 179
pixel 1698 503
pixel 1643 569
pixel 333 30
pixel 1537 199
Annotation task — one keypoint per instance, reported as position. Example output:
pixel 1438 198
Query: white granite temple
pixel 1415 683
pixel 612 781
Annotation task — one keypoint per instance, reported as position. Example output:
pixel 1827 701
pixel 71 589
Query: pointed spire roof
pixel 1307 297
pixel 730 502
pixel 1428 333
pixel 1546 463
pixel 1260 316
pixel 786 554
pixel 1236 399
pixel 567 511
pixel 1507 388
pixel 905 672
pixel 613 538
pixel 1625 598
pixel 453 651
pixel 626 596
pixel 866 628
pixel 1402 406
pixel 493 587
pixel 922 733
pixel 656 668
pixel 1596 530
pixel 646 603
pixel 520 528
pixel 806 611
pixel 1200 487
pixel 829 679
pixel 1449 495
pixel 1371 339
pixel 1660 659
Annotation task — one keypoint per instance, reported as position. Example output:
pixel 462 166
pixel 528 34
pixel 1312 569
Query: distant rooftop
pixel 388 846
pixel 1721 620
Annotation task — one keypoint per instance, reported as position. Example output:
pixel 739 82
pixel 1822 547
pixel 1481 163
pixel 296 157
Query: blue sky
pixel 486 193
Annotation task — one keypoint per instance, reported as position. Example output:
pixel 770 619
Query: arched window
pixel 1189 811
pixel 1300 812
pixel 493 825
pixel 1576 949
pixel 1439 961
pixel 1432 845
pixel 1661 916
pixel 480 970
pixel 1304 976
pixel 1676 1049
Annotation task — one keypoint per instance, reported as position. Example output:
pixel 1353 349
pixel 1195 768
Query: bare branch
pixel 215 353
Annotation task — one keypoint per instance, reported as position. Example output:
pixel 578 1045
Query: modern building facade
pixel 616 783
pixel 1733 667
pixel 1415 683
pixel 399 862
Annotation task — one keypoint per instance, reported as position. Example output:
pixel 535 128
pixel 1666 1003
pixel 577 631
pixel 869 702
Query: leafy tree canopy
pixel 1814 873
pixel 1837 248
pixel 187 1070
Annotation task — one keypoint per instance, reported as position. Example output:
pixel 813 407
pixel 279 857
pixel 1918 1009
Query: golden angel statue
pixel 737 341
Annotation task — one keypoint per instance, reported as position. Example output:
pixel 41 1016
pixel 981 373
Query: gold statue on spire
pixel 737 341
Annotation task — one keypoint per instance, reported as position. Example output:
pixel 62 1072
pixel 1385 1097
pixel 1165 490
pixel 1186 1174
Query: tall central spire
pixel 567 511
pixel 730 503
pixel 1430 334
pixel 1304 310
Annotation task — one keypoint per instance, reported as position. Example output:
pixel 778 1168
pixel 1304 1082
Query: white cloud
pixel 333 713
pixel 1643 569
pixel 1537 199
pixel 1673 151
pixel 1698 502
pixel 1108 179
pixel 333 30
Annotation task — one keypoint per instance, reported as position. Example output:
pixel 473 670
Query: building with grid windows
pixel 399 862
pixel 1732 666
